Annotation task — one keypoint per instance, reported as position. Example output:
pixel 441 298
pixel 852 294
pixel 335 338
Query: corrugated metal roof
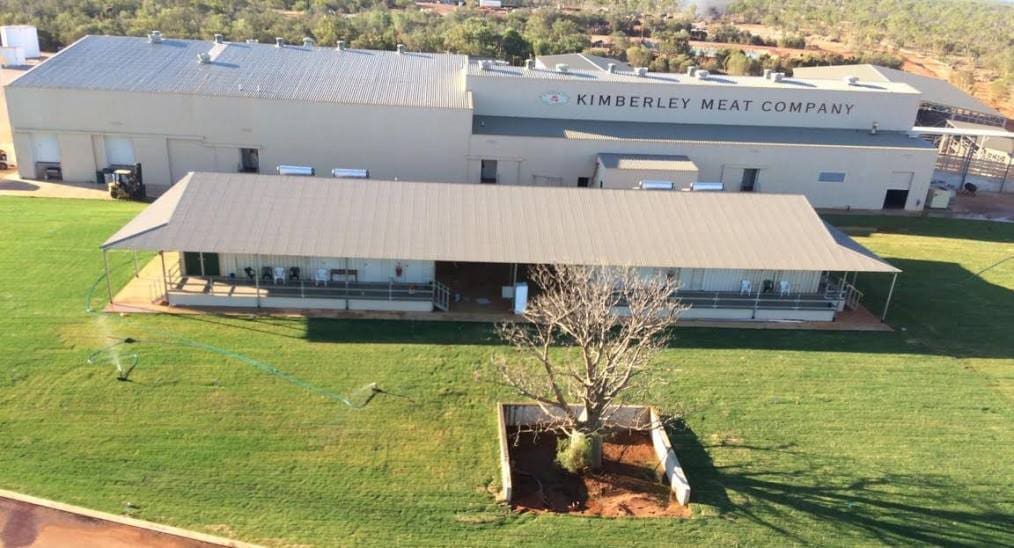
pixel 307 216
pixel 117 63
pixel 560 128
pixel 653 162
pixel 933 90
pixel 476 70
pixel 1000 144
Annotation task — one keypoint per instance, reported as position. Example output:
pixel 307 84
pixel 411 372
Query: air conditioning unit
pixel 302 171
pixel 650 184
pixel 704 186
pixel 347 173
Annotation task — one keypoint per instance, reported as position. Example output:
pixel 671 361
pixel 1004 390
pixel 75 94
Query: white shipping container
pixel 12 56
pixel 23 36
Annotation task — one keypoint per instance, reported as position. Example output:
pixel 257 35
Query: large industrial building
pixel 179 106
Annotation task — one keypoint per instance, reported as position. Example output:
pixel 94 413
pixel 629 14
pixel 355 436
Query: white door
pixel 119 151
pixel 46 147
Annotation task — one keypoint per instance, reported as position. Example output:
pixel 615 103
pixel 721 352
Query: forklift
pixel 124 183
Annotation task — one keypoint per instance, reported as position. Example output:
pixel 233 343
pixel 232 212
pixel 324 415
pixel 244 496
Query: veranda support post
pixel 257 281
pixel 109 283
pixel 890 293
pixel 165 277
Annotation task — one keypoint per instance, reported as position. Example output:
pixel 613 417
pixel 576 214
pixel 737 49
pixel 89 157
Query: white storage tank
pixel 21 36
pixel 12 57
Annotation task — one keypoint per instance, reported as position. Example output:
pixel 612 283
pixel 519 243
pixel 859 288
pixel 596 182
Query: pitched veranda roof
pixel 308 216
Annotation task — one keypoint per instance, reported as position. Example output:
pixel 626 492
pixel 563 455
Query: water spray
pixel 125 363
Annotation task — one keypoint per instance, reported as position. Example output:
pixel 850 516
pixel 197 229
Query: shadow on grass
pixel 939 308
pixel 964 229
pixel 891 508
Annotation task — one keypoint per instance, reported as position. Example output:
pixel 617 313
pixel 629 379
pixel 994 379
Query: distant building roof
pixel 647 162
pixel 934 90
pixel 581 61
pixel 689 133
pixel 309 216
pixel 999 144
pixel 294 72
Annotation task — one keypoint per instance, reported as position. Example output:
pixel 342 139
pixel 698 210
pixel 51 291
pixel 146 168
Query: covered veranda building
pixel 304 243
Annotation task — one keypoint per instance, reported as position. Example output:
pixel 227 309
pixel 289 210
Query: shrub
pixel 577 452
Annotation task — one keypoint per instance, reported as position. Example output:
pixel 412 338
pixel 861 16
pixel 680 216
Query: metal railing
pixel 441 296
pixel 755 301
pixel 308 289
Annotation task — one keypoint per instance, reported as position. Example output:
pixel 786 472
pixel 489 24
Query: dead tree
pixel 590 338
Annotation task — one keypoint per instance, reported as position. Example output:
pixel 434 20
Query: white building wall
pixel 783 169
pixel 697 279
pixel 696 102
pixel 207 132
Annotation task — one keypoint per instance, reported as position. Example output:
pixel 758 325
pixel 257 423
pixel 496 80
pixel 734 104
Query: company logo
pixel 554 98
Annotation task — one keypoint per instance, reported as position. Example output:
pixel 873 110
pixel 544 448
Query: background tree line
pixel 651 33
pixel 979 31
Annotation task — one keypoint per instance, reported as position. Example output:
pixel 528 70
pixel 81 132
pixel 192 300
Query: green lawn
pixel 799 437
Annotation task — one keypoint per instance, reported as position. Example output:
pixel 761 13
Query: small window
pixel 831 177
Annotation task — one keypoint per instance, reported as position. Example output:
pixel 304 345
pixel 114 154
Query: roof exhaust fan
pixel 279 41
pixel 341 45
pixel 155 37
pixel 204 58
pixel 308 42
pixel 401 49
pixel 641 72
pixel 218 39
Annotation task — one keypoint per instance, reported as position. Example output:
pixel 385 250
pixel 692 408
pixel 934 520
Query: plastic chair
pixel 321 277
pixel 784 288
pixel 745 287
pixel 279 275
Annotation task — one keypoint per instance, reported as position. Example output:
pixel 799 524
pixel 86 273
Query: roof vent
pixel 251 41
pixel 341 45
pixel 767 74
pixel 204 58
pixel 279 41
pixel 777 76
pixel 851 80
pixel 874 128
pixel 702 74
pixel 530 64
pixel 641 72
pixel 155 37
pixel 560 67
pixel 611 68
pixel 485 64
pixel 219 39
pixel 691 70
pixel 308 42
pixel 401 49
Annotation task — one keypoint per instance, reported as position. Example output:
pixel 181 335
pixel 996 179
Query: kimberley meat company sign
pixel 655 102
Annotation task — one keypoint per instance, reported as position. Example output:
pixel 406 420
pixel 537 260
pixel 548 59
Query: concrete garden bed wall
pixel 632 417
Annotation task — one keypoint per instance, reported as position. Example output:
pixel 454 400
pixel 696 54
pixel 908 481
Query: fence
pixel 998 171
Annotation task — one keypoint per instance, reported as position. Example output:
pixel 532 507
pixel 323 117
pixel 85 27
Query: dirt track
pixel 26 524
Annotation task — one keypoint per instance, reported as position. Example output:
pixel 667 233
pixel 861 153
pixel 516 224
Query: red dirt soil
pixel 628 485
